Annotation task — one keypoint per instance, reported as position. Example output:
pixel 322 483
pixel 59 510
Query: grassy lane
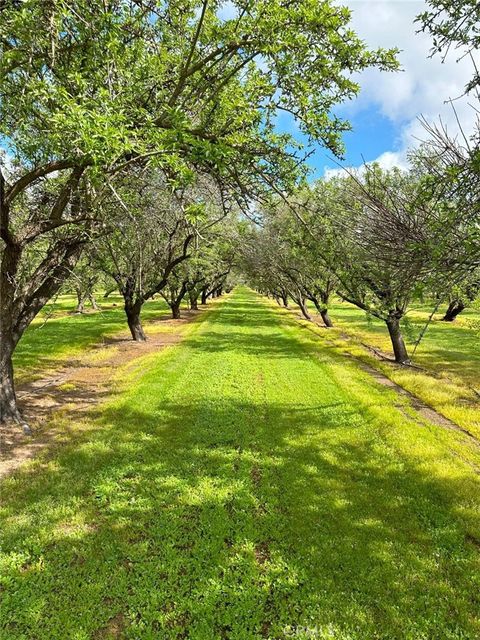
pixel 447 347
pixel 246 484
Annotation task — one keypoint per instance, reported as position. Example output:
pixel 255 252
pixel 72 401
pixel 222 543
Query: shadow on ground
pixel 234 520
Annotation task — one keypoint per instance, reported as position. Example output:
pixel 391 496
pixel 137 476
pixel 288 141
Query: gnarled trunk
pixel 132 311
pixel 204 296
pixel 285 300
pixel 454 308
pixel 398 344
pixel 175 307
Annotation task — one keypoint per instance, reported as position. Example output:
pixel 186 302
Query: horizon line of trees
pixel 379 239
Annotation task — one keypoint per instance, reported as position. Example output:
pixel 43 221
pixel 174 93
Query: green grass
pixel 449 357
pixel 56 335
pixel 249 483
pixel 450 347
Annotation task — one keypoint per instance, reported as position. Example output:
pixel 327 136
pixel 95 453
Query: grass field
pixel 250 483
pixel 449 357
pixel 57 334
pixel 451 347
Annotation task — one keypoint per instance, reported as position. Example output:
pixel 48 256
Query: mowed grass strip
pixel 248 485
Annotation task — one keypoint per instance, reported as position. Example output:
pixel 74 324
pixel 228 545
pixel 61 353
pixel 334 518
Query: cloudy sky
pixel 385 116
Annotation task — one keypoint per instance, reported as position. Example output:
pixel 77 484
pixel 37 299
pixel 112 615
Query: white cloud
pixel 387 160
pixel 424 85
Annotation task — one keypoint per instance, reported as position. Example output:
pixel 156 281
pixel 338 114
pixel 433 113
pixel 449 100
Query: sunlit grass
pixel 448 354
pixel 242 484
pixel 57 334
pixel 450 348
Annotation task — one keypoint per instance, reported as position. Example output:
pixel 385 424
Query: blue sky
pixel 385 115
pixel 373 134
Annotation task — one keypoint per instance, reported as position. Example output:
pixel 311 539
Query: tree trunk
pixel 175 307
pixel 8 401
pixel 20 304
pixel 8 339
pixel 134 323
pixel 204 296
pixel 322 308
pixel 398 344
pixel 325 317
pixel 193 301
pixel 285 300
pixel 454 308
pixel 303 309
pixel 93 302
pixel 80 302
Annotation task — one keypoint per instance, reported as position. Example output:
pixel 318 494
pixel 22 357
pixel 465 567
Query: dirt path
pixel 74 389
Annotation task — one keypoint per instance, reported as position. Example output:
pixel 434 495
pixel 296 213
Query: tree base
pixel 16 421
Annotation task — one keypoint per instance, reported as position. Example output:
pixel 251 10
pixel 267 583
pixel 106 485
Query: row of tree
pixel 175 243
pixel 383 239
pixel 378 239
pixel 94 93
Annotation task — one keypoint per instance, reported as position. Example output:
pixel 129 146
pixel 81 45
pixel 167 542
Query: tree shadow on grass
pixel 223 519
pixel 226 333
pixel 271 344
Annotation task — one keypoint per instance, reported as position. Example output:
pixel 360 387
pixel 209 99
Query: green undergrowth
pixel 246 483
pixel 56 335
pixel 448 379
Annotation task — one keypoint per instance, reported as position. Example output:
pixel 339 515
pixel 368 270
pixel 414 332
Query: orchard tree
pixel 282 260
pixel 386 236
pixel 212 261
pixel 302 264
pixel 174 290
pixel 153 231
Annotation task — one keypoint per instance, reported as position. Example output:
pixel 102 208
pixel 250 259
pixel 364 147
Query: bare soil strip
pixel 74 389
